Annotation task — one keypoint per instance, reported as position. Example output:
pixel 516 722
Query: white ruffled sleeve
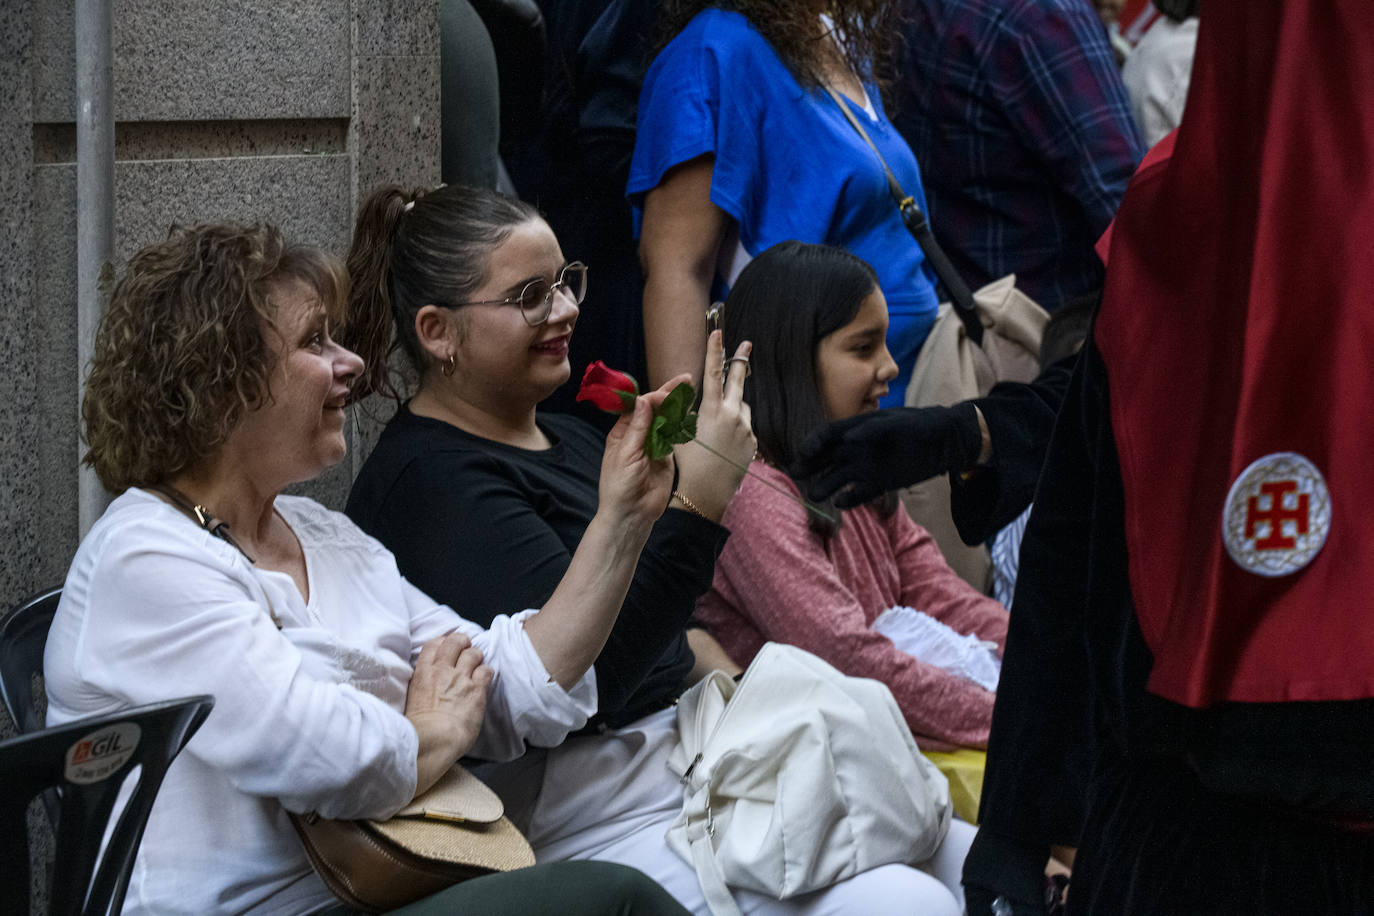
pixel 525 706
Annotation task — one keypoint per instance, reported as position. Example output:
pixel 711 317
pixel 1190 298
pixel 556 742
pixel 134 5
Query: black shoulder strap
pixel 919 227
pixel 201 515
pixel 220 529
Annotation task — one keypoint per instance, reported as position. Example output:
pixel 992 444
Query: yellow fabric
pixel 964 770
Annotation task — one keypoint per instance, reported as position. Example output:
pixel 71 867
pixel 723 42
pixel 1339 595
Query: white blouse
pixel 1156 76
pixel 306 717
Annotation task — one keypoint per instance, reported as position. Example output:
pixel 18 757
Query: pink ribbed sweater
pixel 777 580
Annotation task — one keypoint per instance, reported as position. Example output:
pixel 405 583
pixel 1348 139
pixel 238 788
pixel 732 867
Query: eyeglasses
pixel 536 299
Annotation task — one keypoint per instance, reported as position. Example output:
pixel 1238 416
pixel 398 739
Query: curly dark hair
pixel 870 31
pixel 180 354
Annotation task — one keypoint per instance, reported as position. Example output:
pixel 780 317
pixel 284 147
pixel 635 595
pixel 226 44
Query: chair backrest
pixel 89 761
pixel 23 636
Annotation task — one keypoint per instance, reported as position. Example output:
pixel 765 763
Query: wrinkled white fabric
pixel 309 717
pixel 935 643
pixel 1156 76
pixel 797 777
pixel 612 797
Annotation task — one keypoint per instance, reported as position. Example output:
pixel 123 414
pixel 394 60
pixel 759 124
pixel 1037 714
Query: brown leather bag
pixel 451 833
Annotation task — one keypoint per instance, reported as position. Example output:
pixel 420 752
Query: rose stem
pixel 804 503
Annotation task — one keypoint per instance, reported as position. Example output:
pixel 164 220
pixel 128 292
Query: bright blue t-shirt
pixel 787 163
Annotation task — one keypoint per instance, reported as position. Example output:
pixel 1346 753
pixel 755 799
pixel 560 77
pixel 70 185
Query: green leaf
pixel 627 401
pixel 674 422
pixel 656 445
pixel 677 404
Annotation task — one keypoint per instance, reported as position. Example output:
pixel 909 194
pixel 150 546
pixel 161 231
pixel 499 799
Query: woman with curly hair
pixel 741 145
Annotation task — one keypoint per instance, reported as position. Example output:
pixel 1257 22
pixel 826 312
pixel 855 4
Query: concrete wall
pixel 280 110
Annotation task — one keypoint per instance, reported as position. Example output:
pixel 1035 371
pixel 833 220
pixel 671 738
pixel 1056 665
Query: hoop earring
pixel 451 366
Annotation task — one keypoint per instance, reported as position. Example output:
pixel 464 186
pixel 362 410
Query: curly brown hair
pixel 180 354
pixel 869 31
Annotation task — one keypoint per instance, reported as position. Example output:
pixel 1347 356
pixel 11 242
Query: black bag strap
pixel 201 516
pixel 220 529
pixel 916 223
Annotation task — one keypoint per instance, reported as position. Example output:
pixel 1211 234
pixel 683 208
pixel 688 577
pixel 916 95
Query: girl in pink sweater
pixel 787 575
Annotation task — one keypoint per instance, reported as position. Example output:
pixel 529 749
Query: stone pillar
pixel 22 566
pixel 287 111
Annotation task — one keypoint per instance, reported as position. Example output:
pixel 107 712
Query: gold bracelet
pixel 687 503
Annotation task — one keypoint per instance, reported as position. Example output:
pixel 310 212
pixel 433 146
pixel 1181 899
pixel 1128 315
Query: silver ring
pixel 748 369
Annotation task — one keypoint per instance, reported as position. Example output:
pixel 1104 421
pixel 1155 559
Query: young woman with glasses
pixel 483 500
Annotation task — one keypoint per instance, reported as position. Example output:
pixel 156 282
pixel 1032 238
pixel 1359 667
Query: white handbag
pixel 797 778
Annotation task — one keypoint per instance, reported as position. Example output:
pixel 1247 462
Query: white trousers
pixel 612 797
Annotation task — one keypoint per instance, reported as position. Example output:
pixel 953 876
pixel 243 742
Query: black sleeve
pixel 647 657
pixel 1020 418
pixel 466 532
pixel 1034 786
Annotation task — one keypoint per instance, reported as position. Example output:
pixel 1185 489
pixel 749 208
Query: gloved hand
pixel 859 459
pixel 1004 877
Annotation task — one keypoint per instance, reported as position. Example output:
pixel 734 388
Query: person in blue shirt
pixel 740 146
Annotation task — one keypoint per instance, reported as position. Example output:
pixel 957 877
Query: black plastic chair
pixel 23 635
pixel 88 761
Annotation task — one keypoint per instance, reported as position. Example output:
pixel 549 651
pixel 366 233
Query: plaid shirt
pixel 1025 137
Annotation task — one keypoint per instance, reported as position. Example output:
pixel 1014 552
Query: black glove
pixel 886 450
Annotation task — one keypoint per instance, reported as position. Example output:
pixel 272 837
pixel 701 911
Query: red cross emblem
pixel 1276 514
pixel 1286 492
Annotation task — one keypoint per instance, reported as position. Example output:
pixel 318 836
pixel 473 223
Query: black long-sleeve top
pixel 1020 418
pixel 490 529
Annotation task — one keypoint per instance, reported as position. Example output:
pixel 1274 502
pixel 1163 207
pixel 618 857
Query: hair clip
pixel 410 205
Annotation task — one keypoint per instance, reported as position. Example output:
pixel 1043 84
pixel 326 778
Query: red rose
pixel 612 391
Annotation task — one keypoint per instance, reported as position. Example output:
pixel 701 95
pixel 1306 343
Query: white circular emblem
pixel 100 754
pixel 1277 515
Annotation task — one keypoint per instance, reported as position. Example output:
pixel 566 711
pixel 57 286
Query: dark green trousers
pixel 556 889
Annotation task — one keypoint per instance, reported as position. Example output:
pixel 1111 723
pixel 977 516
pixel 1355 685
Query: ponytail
pixel 371 303
pixel 412 248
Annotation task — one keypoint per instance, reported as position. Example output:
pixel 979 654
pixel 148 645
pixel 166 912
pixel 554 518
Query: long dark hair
pixel 869 30
pixel 786 300
pixel 413 247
